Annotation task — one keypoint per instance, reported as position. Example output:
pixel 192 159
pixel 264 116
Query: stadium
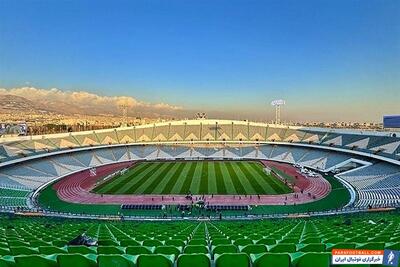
pixel 198 192
pixel 200 133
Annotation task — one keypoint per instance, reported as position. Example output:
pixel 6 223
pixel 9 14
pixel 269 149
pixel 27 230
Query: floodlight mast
pixel 277 104
pixel 124 108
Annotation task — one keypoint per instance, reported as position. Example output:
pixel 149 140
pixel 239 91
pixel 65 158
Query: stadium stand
pixel 266 152
pixel 173 151
pixel 64 169
pixel 26 162
pixel 289 242
pixel 68 162
pixel 120 153
pixel 13 196
pixel 297 153
pixel 88 139
pixel 373 180
pixel 333 159
pixel 376 185
pixel 205 130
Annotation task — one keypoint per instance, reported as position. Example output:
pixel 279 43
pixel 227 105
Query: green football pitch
pixel 197 177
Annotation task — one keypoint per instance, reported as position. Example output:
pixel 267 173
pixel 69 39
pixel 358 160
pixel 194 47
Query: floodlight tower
pixel 277 104
pixel 124 108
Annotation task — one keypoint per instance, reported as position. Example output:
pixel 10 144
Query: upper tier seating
pixel 203 130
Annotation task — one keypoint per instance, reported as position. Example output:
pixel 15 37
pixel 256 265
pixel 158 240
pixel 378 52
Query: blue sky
pixel 328 59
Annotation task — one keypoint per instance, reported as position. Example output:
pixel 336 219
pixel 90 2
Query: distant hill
pixel 16 103
pixel 13 103
pixel 55 101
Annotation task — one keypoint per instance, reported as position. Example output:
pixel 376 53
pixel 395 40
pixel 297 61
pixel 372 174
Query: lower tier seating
pixel 37 242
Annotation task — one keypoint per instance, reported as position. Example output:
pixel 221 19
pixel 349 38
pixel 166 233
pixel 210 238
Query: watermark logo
pixel 391 257
pixel 365 256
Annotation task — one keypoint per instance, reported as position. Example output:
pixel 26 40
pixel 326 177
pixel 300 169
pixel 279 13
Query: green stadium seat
pixel 282 247
pixel 4 251
pixel 47 250
pixel 110 250
pixel 220 249
pixel 220 241
pixel 18 243
pixel 36 261
pixel 266 241
pixel 175 242
pixel 137 250
pixel 243 242
pixel 316 247
pixel 255 236
pixel 59 243
pixel 270 259
pixel 334 240
pixel 395 239
pixel 7 261
pixel 129 242
pixel 357 239
pixel 141 238
pixel 344 245
pixel 77 260
pixel 253 249
pixel 38 243
pixel 48 239
pixel 393 245
pixel 371 245
pixel 163 237
pixel 152 243
pixel 193 260
pixel 116 260
pixel 216 235
pixel 379 239
pixel 200 238
pixel 275 236
pixel 191 249
pixel 289 241
pixel 198 241
pixel 232 259
pixel 311 259
pixel 23 251
pixel 310 240
pixel 184 238
pixel 108 242
pixel 155 260
pixel 236 236
pixel 168 250
pixel 82 249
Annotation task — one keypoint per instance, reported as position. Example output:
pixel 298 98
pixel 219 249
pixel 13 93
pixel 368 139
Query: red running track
pixel 76 189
